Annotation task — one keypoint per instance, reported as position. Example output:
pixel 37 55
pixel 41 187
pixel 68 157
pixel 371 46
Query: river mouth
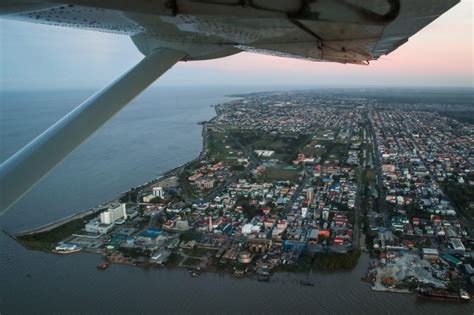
pixel 175 290
pixel 40 282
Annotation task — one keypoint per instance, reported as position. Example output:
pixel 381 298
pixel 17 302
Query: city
pixel 296 182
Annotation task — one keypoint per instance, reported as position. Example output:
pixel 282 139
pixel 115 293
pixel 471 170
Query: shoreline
pixel 94 210
pixel 193 253
pixel 107 255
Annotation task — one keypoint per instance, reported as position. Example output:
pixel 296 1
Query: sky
pixel 47 57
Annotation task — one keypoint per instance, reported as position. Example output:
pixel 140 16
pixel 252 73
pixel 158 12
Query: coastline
pixel 94 210
pixel 185 256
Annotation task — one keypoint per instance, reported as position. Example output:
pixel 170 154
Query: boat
pixel 103 265
pixel 195 274
pixel 439 294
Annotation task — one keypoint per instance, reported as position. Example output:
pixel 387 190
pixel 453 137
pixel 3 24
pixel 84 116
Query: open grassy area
pixel 336 261
pixel 333 151
pixel 276 173
pixel 190 235
pixel 174 260
pixel 46 240
pixel 186 188
pixel 304 265
pixel 323 261
pixel 220 146
pixel 285 147
pixel 462 195
pixel 369 177
pixel 192 261
pixel 311 150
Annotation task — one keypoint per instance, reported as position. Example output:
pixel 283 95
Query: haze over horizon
pixel 47 57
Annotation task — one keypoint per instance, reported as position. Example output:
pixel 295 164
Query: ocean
pixel 156 132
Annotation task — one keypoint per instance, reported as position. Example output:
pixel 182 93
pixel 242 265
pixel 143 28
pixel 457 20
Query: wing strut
pixel 25 168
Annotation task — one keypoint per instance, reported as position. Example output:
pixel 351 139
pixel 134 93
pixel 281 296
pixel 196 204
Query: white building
pixel 113 214
pixel 457 245
pixel 148 198
pixel 158 192
pixel 95 226
pixel 256 229
pixel 247 229
pixel 182 225
pixel 264 153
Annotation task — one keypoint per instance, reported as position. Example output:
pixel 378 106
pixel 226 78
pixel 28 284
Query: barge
pixel 438 294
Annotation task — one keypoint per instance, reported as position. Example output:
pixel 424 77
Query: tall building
pixel 113 214
pixel 158 192
pixel 310 194
pixel 210 223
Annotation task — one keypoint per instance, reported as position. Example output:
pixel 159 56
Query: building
pixel 95 226
pixel 388 168
pixel 158 192
pixel 310 194
pixel 264 153
pixel 451 259
pixel 148 198
pixel 247 229
pixel 259 245
pixel 205 183
pixel 111 215
pixel 149 235
pixel 182 225
pixel 430 254
pixel 313 236
pixel 457 245
pixel 160 257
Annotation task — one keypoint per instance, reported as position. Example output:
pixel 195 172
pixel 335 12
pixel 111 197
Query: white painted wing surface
pixel 347 31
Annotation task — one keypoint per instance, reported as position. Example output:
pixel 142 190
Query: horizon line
pixel 279 86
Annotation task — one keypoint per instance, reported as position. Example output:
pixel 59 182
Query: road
pixel 357 208
pixel 378 168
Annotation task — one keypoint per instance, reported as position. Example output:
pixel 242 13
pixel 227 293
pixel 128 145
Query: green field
pixel 274 173
pixel 324 261
pixel 286 147
pixel 336 261
pixel 46 240
pixel 220 146
pixel 462 196
pixel 333 151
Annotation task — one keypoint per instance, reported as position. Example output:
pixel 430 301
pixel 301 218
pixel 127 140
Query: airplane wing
pixel 347 31
pixel 168 31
